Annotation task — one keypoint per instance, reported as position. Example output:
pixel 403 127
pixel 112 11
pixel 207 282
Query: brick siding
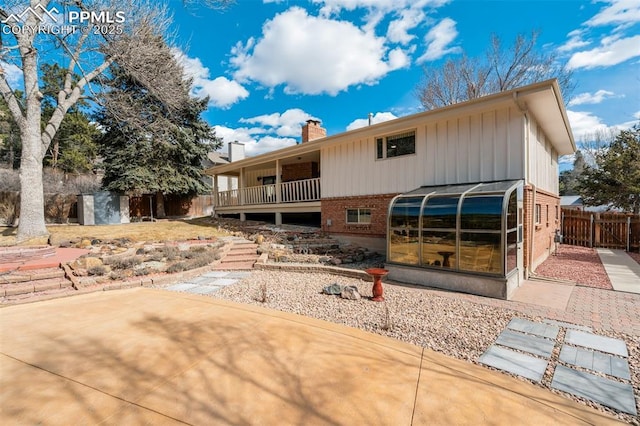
pixel 336 210
pixel 543 244
pixel 299 171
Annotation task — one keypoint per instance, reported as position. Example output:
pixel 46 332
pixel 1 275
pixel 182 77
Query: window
pixel 538 213
pixel 361 216
pixel 396 145
pixel 547 215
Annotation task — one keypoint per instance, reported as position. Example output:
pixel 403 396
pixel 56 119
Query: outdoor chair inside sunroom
pixel 472 228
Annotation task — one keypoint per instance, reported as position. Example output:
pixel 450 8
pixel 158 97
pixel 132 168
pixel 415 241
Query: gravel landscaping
pixel 579 264
pixel 452 326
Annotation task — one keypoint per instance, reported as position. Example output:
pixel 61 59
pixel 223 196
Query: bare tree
pixel 501 68
pixel 87 51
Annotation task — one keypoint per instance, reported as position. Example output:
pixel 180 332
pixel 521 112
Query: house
pixel 573 202
pixel 235 152
pixel 463 197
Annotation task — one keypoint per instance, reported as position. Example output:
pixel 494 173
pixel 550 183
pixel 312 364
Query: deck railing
pixel 290 192
pixel 300 190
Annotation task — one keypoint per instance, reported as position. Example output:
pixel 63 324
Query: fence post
pixel 628 232
pixel 591 231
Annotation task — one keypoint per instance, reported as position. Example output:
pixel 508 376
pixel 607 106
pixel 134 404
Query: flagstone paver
pixel 596 361
pixel 599 389
pixel 567 325
pixel 210 282
pixel 527 343
pixel 216 274
pixel 530 327
pixel 224 281
pixel 514 362
pixel 579 348
pixel 593 341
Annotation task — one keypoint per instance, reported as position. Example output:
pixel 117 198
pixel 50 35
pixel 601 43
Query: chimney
pixel 312 130
pixel 236 151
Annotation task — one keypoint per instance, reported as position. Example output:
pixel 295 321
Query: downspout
pixel 527 174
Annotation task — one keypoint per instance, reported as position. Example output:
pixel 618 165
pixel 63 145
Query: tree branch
pixel 66 102
pixel 10 99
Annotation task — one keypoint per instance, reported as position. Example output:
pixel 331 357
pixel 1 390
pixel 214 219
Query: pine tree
pixel 148 147
pixel 615 179
pixel 569 178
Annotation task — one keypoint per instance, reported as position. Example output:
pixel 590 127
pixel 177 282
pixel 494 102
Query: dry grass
pixel 142 231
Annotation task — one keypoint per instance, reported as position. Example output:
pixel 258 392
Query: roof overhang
pixel 543 100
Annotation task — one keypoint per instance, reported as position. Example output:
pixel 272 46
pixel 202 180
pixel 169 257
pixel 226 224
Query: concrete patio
pixel 153 356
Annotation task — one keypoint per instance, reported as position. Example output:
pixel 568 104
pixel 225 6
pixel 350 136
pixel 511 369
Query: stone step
pixel 34 286
pixel 33 275
pixel 242 251
pixel 234 266
pixel 239 258
pixel 247 245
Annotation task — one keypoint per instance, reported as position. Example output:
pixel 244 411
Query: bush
pixel 199 262
pixel 117 275
pixel 177 267
pixel 124 262
pixel 142 271
pixel 98 270
pixel 170 252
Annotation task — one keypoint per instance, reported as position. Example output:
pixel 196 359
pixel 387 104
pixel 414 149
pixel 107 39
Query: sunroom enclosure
pixel 446 231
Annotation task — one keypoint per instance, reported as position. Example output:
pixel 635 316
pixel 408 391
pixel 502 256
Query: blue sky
pixel 270 65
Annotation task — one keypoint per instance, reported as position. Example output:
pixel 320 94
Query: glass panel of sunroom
pixel 440 212
pixel 482 212
pixel 512 251
pixel 439 248
pixel 404 242
pixel 480 252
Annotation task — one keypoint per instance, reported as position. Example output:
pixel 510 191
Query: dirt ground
pixel 168 230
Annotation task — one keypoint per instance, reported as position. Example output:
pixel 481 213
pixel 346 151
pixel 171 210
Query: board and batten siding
pixel 543 159
pixel 482 146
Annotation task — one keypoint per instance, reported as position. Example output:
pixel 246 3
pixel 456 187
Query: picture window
pixel 396 145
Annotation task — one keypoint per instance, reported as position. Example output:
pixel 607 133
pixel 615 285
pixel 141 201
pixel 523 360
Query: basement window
pixel 358 216
pixel 396 145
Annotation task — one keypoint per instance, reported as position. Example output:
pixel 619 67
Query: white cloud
pixel 313 55
pixel 612 51
pixel 618 12
pixel 375 119
pixel 267 144
pixel 332 7
pixel 583 123
pixel 289 123
pixel 12 73
pixel 253 145
pixel 222 92
pixel 438 39
pixel 591 98
pixel 398 31
pixel 575 41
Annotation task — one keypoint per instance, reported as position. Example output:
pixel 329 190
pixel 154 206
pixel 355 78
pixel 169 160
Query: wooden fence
pixel 146 206
pixel 606 230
